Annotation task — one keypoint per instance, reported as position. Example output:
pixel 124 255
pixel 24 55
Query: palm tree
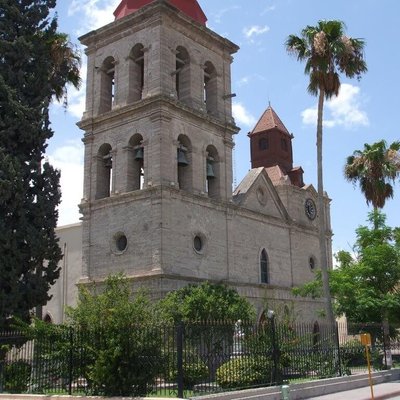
pixel 327 52
pixel 64 68
pixel 375 168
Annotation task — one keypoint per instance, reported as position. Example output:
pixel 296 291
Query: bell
pixel 139 154
pixel 108 161
pixel 210 171
pixel 182 161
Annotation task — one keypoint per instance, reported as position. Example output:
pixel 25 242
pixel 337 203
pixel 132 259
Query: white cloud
pixel 93 13
pixel 218 16
pixel 69 159
pixel 243 81
pixel 267 10
pixel 255 30
pixel 344 110
pixel 242 116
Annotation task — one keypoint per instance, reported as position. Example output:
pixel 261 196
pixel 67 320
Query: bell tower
pixel 158 141
pixel 271 145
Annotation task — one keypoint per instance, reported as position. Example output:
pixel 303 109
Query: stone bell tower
pixel 158 133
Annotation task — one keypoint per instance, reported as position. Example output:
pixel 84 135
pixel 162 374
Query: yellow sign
pixel 365 339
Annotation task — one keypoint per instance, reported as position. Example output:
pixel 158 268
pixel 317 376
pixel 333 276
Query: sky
pixel 365 111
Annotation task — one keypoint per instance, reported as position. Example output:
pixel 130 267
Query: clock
pixel 310 209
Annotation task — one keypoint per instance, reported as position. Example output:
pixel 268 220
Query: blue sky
pixel 262 72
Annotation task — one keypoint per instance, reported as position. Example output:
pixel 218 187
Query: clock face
pixel 310 209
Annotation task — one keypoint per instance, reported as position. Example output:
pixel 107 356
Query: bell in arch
pixel 210 170
pixel 139 154
pixel 182 160
pixel 108 160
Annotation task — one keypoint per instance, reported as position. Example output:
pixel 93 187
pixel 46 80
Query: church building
pixel 158 203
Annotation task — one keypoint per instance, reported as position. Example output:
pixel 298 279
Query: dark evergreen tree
pixel 36 64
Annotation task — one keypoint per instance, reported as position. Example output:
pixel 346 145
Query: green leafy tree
pixel 209 312
pixel 375 168
pixel 206 302
pixel 366 286
pixel 327 53
pixel 37 62
pixel 119 337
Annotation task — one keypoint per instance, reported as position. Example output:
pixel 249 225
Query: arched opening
pixel 182 74
pixel 184 163
pixel 107 85
pixel 210 88
pixel 264 267
pixel 212 172
pixel 263 143
pixel 136 73
pixel 104 171
pixel 316 334
pixel 136 163
pixel 47 318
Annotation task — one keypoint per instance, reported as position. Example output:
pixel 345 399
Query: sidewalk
pixel 389 390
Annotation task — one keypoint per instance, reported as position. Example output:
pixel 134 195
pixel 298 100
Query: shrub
pixel 194 371
pixel 245 371
pixel 353 354
pixel 16 377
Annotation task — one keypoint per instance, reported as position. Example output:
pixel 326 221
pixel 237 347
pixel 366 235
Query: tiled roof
pixel 269 120
pixel 189 7
pixel 277 176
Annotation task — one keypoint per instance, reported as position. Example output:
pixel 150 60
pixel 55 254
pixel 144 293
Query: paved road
pixel 390 390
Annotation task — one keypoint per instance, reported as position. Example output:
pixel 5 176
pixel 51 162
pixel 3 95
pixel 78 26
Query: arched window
pixel 107 85
pixel 311 263
pixel 316 334
pixel 212 172
pixel 182 74
pixel 184 163
pixel 264 266
pixel 263 144
pixel 135 169
pixel 210 88
pixel 136 73
pixel 104 171
pixel 47 318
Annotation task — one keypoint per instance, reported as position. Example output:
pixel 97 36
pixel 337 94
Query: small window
pixel 263 144
pixel 311 263
pixel 284 144
pixel 198 243
pixel 264 266
pixel 120 243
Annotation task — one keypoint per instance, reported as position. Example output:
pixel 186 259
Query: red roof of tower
pixel 269 120
pixel 189 7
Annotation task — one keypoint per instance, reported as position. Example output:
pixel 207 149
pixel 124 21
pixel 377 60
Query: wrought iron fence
pixel 182 360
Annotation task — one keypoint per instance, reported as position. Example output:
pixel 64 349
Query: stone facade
pixel 158 203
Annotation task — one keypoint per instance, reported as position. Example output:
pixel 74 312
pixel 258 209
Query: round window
pixel 198 243
pixel 120 242
pixel 261 196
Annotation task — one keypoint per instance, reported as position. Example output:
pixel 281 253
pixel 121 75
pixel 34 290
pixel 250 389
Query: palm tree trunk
pixel 321 220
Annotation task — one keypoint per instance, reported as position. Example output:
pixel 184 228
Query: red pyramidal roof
pixel 269 120
pixel 189 7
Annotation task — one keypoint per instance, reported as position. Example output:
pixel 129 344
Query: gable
pixel 257 193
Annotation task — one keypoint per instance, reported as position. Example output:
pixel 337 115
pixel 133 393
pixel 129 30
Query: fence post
pixel 70 361
pixel 179 358
pixel 275 352
pixel 1 373
pixel 339 359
